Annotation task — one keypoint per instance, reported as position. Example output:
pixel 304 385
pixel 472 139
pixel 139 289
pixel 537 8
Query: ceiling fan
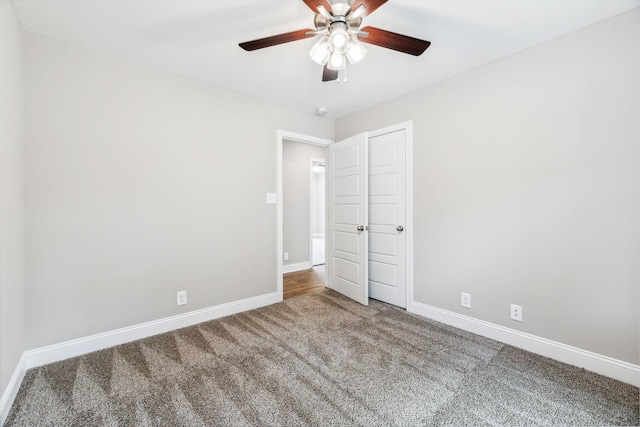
pixel 341 35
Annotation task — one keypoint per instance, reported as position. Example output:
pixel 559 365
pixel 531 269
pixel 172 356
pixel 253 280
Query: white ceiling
pixel 199 40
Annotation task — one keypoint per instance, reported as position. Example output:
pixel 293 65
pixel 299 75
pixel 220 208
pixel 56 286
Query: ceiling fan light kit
pixel 334 50
pixel 338 26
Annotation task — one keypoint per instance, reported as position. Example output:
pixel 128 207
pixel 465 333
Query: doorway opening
pixel 318 215
pixel 301 213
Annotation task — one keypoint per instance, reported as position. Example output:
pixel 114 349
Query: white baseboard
pixel 53 353
pixel 10 392
pixel 604 365
pixel 290 268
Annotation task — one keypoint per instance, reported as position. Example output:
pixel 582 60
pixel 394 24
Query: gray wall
pixel 140 184
pixel 296 193
pixel 11 196
pixel 527 188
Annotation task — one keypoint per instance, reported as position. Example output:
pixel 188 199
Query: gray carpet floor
pixel 322 360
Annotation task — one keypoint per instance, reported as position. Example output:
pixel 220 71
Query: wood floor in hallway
pixel 303 282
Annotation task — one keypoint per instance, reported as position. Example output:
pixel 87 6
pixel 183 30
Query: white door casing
pixel 387 217
pixel 347 237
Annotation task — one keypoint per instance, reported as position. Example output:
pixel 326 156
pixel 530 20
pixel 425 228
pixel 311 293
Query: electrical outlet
pixel 286 256
pixel 465 300
pixel 181 297
pixel 516 312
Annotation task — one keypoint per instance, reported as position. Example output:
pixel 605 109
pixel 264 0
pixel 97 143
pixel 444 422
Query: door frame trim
pixel 408 128
pixel 281 136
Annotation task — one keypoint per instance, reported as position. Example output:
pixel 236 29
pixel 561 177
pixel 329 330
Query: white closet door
pixel 347 240
pixel 387 204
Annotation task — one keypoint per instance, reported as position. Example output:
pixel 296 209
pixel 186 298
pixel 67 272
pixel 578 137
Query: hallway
pixel 303 282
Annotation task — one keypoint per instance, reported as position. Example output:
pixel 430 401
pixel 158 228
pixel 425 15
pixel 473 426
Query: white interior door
pixel 387 214
pixel 347 241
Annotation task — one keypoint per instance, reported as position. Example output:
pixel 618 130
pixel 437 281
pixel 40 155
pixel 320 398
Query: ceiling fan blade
pixel 394 41
pixel 329 75
pixel 276 40
pixel 370 5
pixel 313 4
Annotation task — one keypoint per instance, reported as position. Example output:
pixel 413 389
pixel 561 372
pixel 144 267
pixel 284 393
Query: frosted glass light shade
pixel 338 39
pixel 320 51
pixel 356 50
pixel 337 61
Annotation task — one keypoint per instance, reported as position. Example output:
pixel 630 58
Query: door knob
pixel 400 228
pixel 360 228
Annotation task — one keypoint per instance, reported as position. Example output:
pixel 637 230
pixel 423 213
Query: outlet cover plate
pixel 516 312
pixel 181 297
pixel 465 300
